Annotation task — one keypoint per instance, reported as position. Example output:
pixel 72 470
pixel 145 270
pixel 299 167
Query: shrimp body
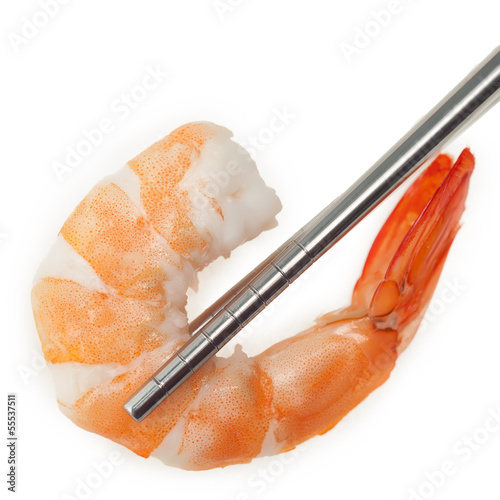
pixel 109 304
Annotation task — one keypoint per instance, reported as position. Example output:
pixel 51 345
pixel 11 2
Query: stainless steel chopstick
pixel 222 321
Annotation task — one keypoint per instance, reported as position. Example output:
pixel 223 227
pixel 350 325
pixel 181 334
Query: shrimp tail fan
pixel 408 255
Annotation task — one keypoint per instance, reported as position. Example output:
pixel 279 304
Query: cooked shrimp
pixel 109 304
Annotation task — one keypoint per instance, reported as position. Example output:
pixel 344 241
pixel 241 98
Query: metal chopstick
pixel 477 93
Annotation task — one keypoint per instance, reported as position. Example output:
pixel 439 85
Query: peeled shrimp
pixel 109 304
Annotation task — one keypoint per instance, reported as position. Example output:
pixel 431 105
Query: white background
pixel 236 66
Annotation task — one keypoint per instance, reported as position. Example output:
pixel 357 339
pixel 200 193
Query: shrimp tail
pixel 408 255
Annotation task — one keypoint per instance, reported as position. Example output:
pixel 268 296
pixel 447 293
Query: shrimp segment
pixel 82 325
pixel 318 376
pixel 142 252
pixel 108 231
pixel 160 169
